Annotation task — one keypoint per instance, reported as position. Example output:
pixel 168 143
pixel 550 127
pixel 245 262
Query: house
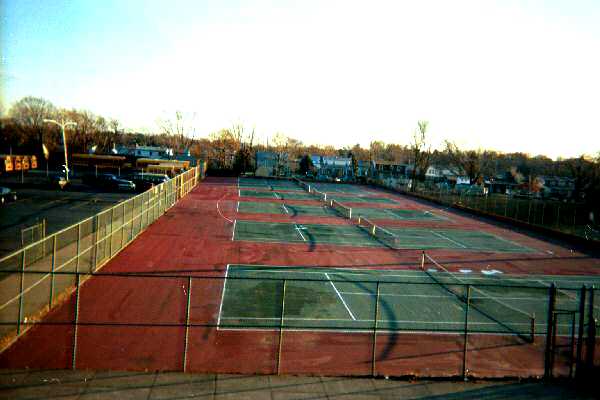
pixel 270 163
pixel 390 169
pixel 332 167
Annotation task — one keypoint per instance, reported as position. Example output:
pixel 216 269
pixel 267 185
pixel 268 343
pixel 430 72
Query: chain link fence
pixel 570 218
pixel 192 330
pixel 80 248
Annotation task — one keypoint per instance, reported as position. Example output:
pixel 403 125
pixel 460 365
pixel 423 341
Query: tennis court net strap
pixel 383 235
pixel 510 318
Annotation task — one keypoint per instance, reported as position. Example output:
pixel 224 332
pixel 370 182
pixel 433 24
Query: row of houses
pixel 392 173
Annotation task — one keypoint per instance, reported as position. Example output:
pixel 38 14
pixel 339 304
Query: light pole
pixel 64 138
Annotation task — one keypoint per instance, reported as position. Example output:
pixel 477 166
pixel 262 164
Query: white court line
pixel 285 209
pixel 237 209
pixel 239 193
pixel 275 194
pixel 395 321
pixel 448 239
pixel 341 298
pixel 542 299
pixel 416 274
pixel 222 296
pixel 233 232
pixel 298 230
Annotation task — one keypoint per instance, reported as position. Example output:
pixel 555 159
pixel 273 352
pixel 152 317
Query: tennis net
pixel 340 208
pixel 303 184
pixel 383 235
pixel 510 318
pixel 322 196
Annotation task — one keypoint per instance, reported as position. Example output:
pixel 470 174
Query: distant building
pixel 390 169
pixel 332 167
pixel 143 151
pixel 270 163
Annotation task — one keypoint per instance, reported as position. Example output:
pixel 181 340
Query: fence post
pixel 76 318
pixel 373 366
pixel 187 323
pixel 52 267
pixel 465 370
pixel 557 216
pixel 281 328
pixel 529 212
pixel 21 288
pixel 96 233
pixel 580 333
pixel 110 236
pixel 505 206
pixel 123 226
pixel 543 211
pixel 591 334
pixel 548 358
pixel 78 247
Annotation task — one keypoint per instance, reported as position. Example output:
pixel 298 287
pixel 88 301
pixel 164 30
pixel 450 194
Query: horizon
pixel 509 77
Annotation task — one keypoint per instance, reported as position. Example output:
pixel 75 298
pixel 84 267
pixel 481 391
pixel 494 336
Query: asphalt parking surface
pixel 37 201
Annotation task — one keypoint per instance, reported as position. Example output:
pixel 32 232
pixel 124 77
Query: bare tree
pixel 420 151
pixel 29 114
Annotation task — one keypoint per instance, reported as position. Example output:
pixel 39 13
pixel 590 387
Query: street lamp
pixel 64 138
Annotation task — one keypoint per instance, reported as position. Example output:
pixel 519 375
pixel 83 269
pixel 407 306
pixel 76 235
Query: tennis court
pixel 277 195
pixel 341 188
pixel 397 214
pixel 352 235
pixel 254 297
pixel 269 184
pixel 255 207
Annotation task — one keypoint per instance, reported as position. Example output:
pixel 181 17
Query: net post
pixel 423 260
pixel 465 370
pixel 374 352
pixel 187 324
pixel 76 322
pixel 580 333
pixel 281 328
pixel 548 358
pixel 349 212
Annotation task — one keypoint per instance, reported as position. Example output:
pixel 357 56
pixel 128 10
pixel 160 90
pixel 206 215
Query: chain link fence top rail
pixel 83 247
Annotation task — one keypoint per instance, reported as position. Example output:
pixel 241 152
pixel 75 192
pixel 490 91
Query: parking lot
pixel 37 201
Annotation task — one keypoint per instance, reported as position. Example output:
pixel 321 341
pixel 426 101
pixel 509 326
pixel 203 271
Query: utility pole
pixel 64 138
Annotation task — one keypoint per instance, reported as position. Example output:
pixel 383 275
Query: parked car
pixel 7 195
pixel 109 182
pixel 144 181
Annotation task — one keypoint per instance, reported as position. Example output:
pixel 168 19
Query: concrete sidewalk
pixel 88 385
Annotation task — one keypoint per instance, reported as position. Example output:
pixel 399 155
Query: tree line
pixel 234 148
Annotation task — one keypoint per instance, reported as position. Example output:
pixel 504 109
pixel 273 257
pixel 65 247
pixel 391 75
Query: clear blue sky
pixel 509 75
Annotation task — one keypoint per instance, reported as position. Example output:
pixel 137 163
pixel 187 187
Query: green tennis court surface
pixel 371 213
pixel 361 199
pixel 284 209
pixel 396 214
pixel 351 235
pixel 297 195
pixel 335 298
pixel 340 188
pixel 269 184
